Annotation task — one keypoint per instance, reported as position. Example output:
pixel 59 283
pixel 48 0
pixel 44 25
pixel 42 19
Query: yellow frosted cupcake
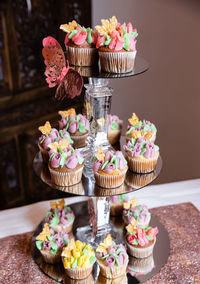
pixel 78 259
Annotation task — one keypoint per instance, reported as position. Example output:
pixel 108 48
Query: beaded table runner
pixel 182 222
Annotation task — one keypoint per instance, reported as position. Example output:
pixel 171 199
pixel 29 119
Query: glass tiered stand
pixel 92 222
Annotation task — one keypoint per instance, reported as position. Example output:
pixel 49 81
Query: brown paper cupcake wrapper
pixel 66 228
pixel 141 265
pixel 141 166
pixel 119 280
pixel 112 272
pixel 114 136
pixel 44 153
pixel 117 62
pixel 140 252
pixel 88 280
pixel 51 258
pixel 80 56
pixel 66 178
pixel 110 181
pixel 80 273
pixel 79 141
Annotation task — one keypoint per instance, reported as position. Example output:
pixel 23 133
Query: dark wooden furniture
pixel 26 102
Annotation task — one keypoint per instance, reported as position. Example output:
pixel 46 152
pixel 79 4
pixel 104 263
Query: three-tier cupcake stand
pixel 92 222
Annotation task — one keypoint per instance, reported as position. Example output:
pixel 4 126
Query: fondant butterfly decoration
pixel 58 72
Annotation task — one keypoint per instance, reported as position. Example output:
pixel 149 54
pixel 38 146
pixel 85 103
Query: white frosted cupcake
pixel 78 259
pixel 112 258
pixel 140 240
pixel 141 155
pixel 60 217
pixel 51 243
pixel 109 168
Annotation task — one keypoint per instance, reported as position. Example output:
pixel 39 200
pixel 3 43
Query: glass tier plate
pixel 138 271
pixel 140 66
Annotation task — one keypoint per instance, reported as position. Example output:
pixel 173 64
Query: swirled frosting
pixel 51 241
pixel 60 216
pixel 115 36
pixel 110 162
pixel 74 123
pixel 140 235
pixel 114 123
pixel 112 254
pixel 79 35
pixel 141 147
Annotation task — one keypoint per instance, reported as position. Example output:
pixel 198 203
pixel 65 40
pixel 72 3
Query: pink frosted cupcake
pixel 116 204
pixel 114 129
pixel 109 168
pixel 112 258
pixel 60 217
pixel 51 243
pixel 80 44
pixel 140 128
pixel 141 155
pixel 49 135
pixel 140 240
pixel 65 163
pixel 77 126
pixel 116 46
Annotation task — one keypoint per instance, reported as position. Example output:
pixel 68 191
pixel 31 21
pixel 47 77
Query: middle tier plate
pixel 87 186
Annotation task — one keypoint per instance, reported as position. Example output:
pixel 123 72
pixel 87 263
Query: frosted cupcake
pixel 109 168
pixel 136 214
pixel 114 129
pixel 78 259
pixel 116 46
pixel 51 243
pixel 112 258
pixel 49 135
pixel 141 155
pixel 116 204
pixel 140 128
pixel 80 44
pixel 65 163
pixel 60 217
pixel 140 240
pixel 77 126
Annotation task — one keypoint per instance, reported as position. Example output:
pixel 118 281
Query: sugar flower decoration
pixel 68 28
pixel 55 205
pixel 62 144
pixel 106 243
pixel 66 113
pixel 100 154
pixel 132 203
pixel 107 26
pixel 130 228
pixel 45 129
pixel 45 232
pixel 67 250
pixel 134 120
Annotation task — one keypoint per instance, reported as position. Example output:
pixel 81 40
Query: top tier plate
pixel 140 66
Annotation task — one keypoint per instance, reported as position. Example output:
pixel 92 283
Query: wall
pixel 168 94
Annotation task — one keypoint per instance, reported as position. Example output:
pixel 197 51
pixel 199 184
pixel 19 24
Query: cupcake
pixel 141 155
pixel 116 45
pixel 140 240
pixel 112 258
pixel 116 204
pixel 51 243
pixel 60 217
pixel 49 135
pixel 139 266
pixel 109 168
pixel 76 125
pixel 114 129
pixel 140 128
pixel 136 214
pixel 80 44
pixel 65 164
pixel 78 259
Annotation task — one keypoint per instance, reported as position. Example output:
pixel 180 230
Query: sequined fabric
pixel 182 222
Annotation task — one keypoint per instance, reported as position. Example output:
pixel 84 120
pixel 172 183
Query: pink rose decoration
pixel 55 162
pixel 62 123
pixel 46 142
pixel 79 38
pixel 142 237
pixel 97 166
pixel 152 232
pixel 110 167
pixel 132 43
pixel 72 162
pixel 73 126
pixel 100 40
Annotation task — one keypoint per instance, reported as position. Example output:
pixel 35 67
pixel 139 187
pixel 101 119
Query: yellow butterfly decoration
pixel 136 134
pixel 100 154
pixel 59 204
pixel 68 28
pixel 130 228
pixel 67 250
pixel 62 144
pixel 134 120
pixel 45 232
pixel 107 26
pixel 132 203
pixel 106 243
pixel 45 129
pixel 148 135
pixel 66 113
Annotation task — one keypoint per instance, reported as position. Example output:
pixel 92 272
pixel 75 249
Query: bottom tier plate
pixel 138 271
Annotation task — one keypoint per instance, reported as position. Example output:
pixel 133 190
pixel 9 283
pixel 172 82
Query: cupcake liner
pixel 142 265
pixel 79 141
pixel 142 165
pixel 65 228
pixel 119 280
pixel 79 273
pixel 88 280
pixel 117 62
pixel 114 136
pixel 116 209
pixel 139 180
pixel 82 56
pixel 44 153
pixel 66 178
pixel 75 189
pixel 102 191
pixel 140 252
pixel 112 272
pixel 110 181
pixel 50 257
